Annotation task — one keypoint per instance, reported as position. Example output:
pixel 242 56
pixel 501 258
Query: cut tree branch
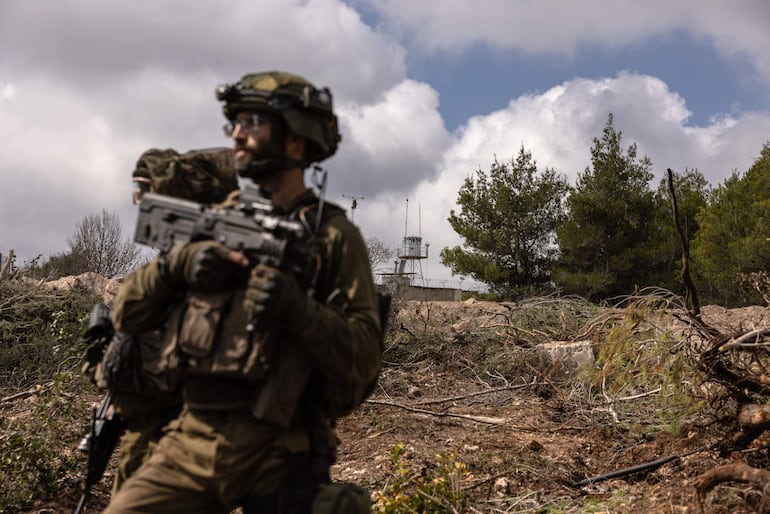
pixel 743 342
pixel 476 419
pixel 691 292
pixel 738 472
pixel 27 393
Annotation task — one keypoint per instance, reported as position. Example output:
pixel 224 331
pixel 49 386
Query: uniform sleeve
pixel 343 336
pixel 142 301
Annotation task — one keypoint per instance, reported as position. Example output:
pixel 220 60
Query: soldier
pixel 144 400
pixel 260 403
pixel 144 403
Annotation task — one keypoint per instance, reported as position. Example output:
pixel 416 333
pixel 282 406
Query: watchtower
pixel 410 256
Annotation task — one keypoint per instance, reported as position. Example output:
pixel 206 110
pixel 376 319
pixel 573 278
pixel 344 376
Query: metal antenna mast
pixel 406 218
pixel 353 205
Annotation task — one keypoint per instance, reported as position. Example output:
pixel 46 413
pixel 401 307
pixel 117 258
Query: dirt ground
pixel 534 453
pixel 528 462
pixel 523 445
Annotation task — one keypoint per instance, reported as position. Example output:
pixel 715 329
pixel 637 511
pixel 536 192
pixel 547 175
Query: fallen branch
pixel 738 472
pixel 471 395
pixel 24 394
pixel 637 396
pixel 597 323
pixel 742 342
pixel 468 417
pixel 645 466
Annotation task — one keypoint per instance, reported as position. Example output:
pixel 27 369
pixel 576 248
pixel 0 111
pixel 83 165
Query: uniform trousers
pixel 212 461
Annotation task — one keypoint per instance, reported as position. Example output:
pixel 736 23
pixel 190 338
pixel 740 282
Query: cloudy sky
pixel 427 92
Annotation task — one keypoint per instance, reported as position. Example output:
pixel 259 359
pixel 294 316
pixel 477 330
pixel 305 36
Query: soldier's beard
pixel 260 167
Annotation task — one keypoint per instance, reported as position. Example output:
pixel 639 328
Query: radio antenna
pixel 353 205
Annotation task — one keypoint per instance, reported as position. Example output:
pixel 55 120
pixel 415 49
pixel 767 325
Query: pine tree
pixel 507 219
pixel 733 234
pixel 606 238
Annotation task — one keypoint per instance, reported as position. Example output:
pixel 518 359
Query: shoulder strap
pixel 307 213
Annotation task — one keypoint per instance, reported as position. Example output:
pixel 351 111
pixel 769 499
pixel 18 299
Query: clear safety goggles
pixel 248 122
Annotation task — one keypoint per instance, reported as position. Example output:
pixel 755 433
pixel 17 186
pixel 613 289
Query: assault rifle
pixel 99 445
pixel 105 427
pixel 252 228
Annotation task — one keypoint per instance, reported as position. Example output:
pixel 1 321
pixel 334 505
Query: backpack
pixel 114 361
pixel 336 399
pixel 205 176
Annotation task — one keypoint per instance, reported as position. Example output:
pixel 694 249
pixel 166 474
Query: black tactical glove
pixel 273 298
pixel 119 361
pixel 204 266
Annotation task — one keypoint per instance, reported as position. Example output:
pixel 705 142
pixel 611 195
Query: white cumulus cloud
pixel 735 29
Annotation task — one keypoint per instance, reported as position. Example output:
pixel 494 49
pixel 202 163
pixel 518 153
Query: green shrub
pixel 46 413
pixel 432 488
pixel 39 333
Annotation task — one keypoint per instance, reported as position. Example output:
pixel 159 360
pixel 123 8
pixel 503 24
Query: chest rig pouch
pixel 213 338
pixel 212 333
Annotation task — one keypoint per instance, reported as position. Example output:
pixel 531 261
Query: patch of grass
pixel 39 332
pixel 37 447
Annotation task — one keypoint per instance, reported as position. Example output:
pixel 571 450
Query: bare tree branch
pixel 380 255
pixel 99 242
pixel 477 419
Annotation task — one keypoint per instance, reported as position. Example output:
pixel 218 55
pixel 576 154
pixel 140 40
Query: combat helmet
pixel 306 111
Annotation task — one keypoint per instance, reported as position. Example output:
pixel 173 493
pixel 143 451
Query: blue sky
pixel 427 92
pixel 481 80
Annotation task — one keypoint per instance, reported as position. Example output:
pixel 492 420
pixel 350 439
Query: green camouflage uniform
pixel 145 408
pixel 242 439
pixel 149 399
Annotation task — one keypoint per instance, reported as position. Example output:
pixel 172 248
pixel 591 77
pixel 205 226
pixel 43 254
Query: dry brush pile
pixel 739 361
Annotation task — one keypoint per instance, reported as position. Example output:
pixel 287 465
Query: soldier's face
pixel 251 133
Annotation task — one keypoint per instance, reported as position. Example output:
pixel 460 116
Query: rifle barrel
pixel 81 503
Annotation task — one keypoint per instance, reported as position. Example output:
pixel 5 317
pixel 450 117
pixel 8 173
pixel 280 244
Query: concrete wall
pixel 431 294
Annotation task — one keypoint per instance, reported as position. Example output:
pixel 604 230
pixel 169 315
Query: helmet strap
pixel 318 178
pixel 274 158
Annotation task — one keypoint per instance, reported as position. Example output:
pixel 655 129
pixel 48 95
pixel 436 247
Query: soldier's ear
pixel 296 146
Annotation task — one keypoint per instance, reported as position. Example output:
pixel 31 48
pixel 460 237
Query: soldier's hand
pixel 206 266
pixel 119 361
pixel 273 297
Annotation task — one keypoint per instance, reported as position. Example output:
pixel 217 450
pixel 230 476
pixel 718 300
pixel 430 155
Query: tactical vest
pixel 227 366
